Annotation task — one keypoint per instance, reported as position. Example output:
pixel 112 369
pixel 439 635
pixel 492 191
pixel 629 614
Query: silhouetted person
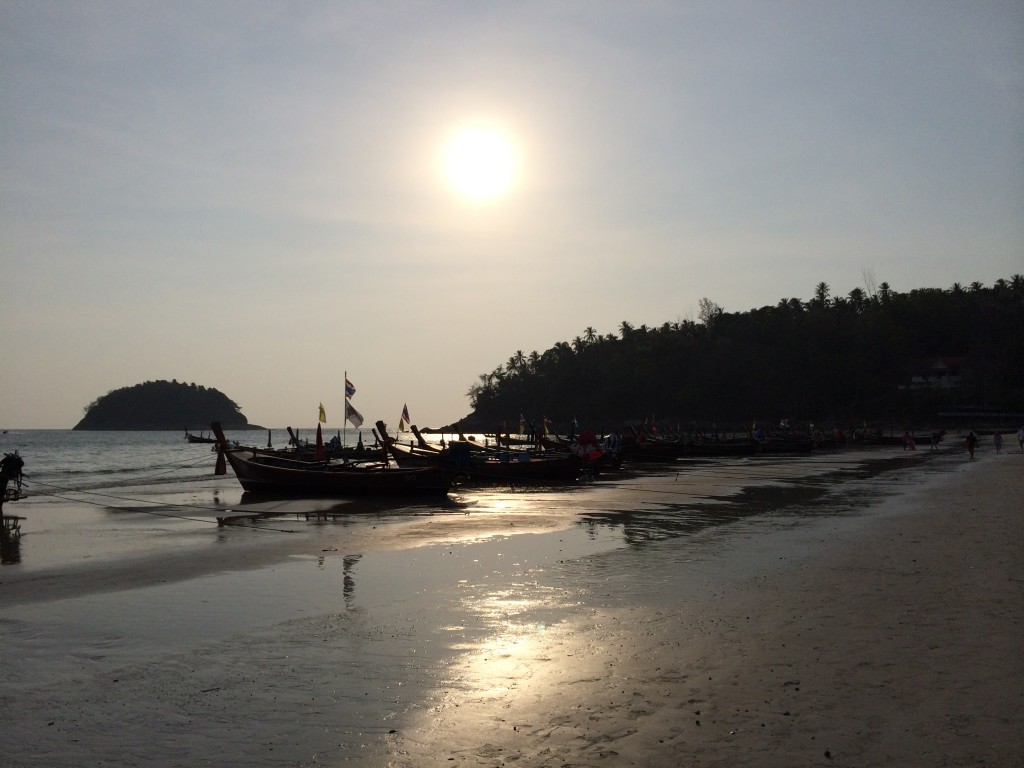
pixel 972 443
pixel 10 469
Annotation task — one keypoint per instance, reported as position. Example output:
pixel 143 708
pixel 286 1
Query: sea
pixel 87 460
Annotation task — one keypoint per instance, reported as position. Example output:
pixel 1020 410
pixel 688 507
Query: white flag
pixel 352 415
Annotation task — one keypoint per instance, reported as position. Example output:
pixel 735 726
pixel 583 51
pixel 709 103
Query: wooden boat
pixel 877 438
pixel 200 438
pixel 494 466
pixel 640 446
pixel 267 473
pixel 506 466
pixel 307 453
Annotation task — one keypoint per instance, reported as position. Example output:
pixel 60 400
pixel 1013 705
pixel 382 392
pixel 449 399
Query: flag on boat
pixel 352 415
pixel 404 419
pixel 323 414
pixel 349 389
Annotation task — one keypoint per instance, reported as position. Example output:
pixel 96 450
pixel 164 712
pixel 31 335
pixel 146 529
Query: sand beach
pixel 879 624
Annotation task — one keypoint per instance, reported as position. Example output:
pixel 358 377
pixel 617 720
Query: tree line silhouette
pixel 867 355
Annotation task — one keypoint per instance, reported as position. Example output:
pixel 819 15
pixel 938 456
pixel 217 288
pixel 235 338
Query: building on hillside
pixel 935 373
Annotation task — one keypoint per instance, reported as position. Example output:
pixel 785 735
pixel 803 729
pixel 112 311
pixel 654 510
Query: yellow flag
pixel 323 414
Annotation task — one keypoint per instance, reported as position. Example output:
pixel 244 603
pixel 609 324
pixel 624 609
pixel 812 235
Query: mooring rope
pixel 225 512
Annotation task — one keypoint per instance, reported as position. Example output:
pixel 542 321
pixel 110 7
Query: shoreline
pixel 881 632
pixel 109 552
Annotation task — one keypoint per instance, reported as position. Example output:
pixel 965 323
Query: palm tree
pixel 625 329
pixel 589 334
pixel 516 362
pixel 857 299
pixel 821 294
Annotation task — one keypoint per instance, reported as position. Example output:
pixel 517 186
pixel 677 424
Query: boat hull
pixel 270 475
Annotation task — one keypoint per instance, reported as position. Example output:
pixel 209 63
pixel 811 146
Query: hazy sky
pixel 251 196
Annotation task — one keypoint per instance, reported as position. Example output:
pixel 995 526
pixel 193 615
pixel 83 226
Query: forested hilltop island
pixel 928 356
pixel 163 405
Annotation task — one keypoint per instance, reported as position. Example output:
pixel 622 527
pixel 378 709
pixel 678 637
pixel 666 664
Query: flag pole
pixel 344 416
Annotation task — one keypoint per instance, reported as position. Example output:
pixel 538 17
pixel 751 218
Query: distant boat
pixel 200 438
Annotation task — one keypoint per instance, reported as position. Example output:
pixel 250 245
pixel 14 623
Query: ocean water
pixel 76 460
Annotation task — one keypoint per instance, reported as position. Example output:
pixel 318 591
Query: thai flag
pixel 349 388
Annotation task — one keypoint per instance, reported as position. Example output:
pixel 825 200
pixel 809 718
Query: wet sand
pixel 888 637
pixel 895 643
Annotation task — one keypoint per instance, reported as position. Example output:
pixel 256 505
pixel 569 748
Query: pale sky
pixel 251 196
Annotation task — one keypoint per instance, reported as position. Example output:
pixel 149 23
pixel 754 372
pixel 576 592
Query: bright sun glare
pixel 480 162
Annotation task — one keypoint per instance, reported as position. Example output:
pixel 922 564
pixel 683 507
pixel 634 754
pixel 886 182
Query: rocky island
pixel 163 405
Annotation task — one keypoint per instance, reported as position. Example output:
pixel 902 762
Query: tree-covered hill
pixel 162 405
pixel 874 355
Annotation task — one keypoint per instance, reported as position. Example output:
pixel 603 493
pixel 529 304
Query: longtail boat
pixel 267 473
pixel 490 466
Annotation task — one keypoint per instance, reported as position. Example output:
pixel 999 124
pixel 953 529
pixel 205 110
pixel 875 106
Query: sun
pixel 480 162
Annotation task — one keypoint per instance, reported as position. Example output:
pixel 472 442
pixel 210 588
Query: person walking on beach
pixel 971 442
pixel 997 441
